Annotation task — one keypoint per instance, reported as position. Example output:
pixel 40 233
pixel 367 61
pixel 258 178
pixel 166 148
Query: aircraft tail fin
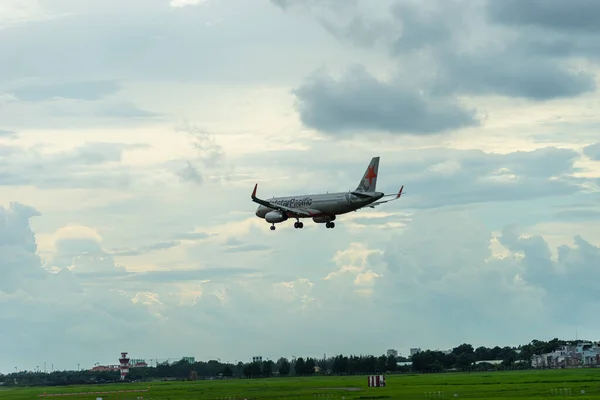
pixel 368 183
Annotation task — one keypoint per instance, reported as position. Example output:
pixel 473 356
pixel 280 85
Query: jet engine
pixel 322 219
pixel 275 216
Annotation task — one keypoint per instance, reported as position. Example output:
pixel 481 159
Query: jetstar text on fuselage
pixel 307 201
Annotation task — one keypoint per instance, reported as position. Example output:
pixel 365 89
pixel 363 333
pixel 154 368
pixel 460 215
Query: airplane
pixel 324 207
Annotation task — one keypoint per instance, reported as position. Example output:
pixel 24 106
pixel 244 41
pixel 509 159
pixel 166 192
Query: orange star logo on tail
pixel 370 174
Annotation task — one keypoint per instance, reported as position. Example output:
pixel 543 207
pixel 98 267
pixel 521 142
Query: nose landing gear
pixel 330 224
pixel 298 224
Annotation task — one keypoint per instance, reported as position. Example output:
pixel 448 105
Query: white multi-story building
pixel 415 350
pixel 392 352
pixel 583 354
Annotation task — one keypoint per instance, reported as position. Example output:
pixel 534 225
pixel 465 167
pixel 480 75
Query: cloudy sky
pixel 132 133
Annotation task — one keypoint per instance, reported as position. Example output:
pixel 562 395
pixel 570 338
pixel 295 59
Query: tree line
pixel 461 358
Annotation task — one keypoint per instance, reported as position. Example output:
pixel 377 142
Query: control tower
pixel 124 367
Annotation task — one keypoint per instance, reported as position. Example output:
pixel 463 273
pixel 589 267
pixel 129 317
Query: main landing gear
pixel 297 225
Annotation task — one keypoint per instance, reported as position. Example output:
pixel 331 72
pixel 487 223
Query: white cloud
pixel 128 153
pixel 15 12
pixel 184 3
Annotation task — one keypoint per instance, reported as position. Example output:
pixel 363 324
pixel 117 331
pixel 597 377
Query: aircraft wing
pixel 285 209
pixel 373 205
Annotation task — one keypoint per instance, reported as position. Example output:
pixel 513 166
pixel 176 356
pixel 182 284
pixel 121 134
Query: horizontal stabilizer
pixel 388 195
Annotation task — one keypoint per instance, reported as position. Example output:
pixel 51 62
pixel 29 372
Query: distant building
pixel 392 352
pixel 190 360
pixel 102 368
pixel 139 364
pixel 584 354
pixel 257 359
pixel 415 350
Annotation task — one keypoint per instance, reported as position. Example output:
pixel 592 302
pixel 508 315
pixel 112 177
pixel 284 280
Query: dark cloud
pixel 572 15
pixel 593 151
pixel 91 90
pixel 359 31
pixel 503 66
pixel 545 162
pixel 511 73
pixel 360 102
pixel 443 49
pixel 422 27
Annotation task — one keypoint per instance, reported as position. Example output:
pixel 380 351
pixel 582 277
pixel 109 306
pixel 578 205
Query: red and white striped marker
pixel 376 380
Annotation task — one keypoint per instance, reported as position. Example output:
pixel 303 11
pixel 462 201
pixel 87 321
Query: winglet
pixel 399 193
pixel 254 191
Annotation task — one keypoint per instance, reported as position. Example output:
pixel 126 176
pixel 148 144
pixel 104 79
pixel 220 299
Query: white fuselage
pixel 324 207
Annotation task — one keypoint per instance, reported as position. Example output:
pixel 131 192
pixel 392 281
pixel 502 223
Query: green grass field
pixel 492 385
